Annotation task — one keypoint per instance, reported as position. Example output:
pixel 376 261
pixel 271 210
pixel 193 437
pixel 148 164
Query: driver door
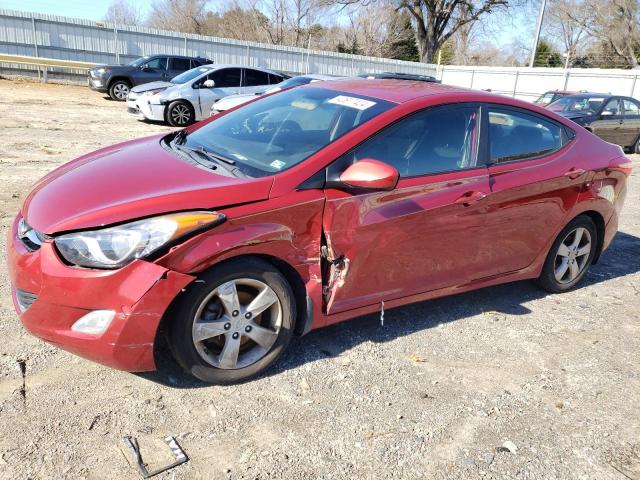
pixel 152 71
pixel 226 82
pixel 425 234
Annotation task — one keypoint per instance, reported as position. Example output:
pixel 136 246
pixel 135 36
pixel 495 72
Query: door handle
pixel 469 198
pixel 574 173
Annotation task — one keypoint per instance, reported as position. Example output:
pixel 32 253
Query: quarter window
pixel 274 79
pixel 226 78
pixel 431 141
pixel 157 64
pixel 516 135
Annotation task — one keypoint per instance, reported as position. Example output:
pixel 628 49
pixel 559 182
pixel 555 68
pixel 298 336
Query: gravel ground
pixel 505 382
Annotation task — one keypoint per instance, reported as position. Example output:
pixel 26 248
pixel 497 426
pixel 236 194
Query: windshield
pixel 280 131
pixel 577 104
pixel 184 77
pixel 138 61
pixel 546 98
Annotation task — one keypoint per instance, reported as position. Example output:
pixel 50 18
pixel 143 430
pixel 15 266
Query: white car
pixel 189 96
pixel 232 101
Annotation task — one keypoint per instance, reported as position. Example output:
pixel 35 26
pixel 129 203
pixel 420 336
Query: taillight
pixel 621 164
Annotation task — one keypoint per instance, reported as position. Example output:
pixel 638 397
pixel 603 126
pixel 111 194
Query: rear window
pixel 517 135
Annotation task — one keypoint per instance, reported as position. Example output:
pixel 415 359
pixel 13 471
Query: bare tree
pixel 121 12
pixel 616 23
pixel 188 16
pixel 566 20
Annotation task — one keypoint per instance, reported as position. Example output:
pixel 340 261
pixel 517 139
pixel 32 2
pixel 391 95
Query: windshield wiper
pixel 215 159
pixel 180 136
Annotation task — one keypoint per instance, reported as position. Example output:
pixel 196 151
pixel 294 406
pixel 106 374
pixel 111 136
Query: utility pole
pixel 538 29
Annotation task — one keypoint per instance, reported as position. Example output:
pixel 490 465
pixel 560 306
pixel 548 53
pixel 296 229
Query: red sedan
pixel 303 209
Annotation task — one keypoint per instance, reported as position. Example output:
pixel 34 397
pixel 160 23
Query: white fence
pixel 50 36
pixel 528 83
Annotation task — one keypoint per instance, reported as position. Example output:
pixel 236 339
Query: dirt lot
pixel 435 393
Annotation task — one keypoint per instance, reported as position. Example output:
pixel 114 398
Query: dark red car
pixel 303 209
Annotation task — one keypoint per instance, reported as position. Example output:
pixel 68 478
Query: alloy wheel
pixel 180 114
pixel 237 324
pixel 573 255
pixel 120 90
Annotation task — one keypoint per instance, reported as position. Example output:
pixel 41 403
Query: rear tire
pixel 570 256
pixel 119 90
pixel 222 332
pixel 180 114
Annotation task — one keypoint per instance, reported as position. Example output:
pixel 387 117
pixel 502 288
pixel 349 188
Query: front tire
pixel 119 90
pixel 180 114
pixel 636 148
pixel 570 256
pixel 233 322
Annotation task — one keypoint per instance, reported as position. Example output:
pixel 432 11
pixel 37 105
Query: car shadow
pixel 622 258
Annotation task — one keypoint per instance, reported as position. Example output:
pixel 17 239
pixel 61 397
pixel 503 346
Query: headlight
pixel 117 246
pixel 101 70
pixel 152 92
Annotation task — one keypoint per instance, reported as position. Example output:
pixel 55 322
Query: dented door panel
pixel 416 238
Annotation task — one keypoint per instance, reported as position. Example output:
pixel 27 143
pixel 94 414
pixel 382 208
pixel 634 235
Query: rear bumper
pixel 139 293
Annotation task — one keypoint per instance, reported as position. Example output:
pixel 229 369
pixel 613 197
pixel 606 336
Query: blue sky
pixel 90 9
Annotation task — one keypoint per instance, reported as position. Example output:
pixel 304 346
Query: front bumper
pixel 97 83
pixel 141 108
pixel 139 293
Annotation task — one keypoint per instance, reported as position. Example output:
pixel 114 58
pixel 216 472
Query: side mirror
pixel 209 84
pixel 370 174
pixel 145 67
pixel 608 113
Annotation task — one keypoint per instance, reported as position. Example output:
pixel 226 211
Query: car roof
pixel 396 91
pixel 218 66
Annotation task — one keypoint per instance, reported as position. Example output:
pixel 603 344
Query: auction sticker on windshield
pixel 351 102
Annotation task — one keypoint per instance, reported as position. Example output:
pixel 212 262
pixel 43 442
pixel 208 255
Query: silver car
pixel 189 96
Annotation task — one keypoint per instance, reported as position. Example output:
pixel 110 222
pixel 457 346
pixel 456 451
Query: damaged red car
pixel 303 209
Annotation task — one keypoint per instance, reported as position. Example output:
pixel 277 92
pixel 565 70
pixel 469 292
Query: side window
pixel 180 64
pixel 226 78
pixel 434 140
pixel 612 108
pixel 274 79
pixel 255 78
pixel 631 108
pixel 157 63
pixel 516 135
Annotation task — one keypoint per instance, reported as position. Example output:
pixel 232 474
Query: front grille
pixel 25 299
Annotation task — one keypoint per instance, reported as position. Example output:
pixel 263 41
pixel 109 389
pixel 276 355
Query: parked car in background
pixel 400 76
pixel 614 118
pixel 551 96
pixel 234 100
pixel 192 94
pixel 303 209
pixel 117 80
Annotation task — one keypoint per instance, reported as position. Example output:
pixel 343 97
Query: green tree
pixel 547 56
pixel 405 48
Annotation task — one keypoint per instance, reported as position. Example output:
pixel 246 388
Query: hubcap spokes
pixel 234 331
pixel 180 114
pixel 573 255
pixel 121 91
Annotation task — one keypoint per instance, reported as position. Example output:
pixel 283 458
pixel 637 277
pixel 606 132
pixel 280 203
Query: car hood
pixel 152 86
pixel 127 181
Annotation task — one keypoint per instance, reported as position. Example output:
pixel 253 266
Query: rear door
pixel 608 125
pixel 226 82
pixel 423 235
pixel 631 122
pixel 534 182
pixel 254 81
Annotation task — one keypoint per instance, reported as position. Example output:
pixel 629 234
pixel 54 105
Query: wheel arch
pixel 598 220
pixel 112 80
